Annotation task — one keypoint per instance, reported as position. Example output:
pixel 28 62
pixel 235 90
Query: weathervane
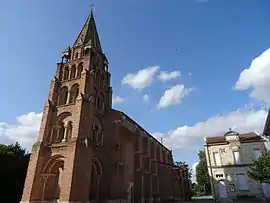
pixel 92 7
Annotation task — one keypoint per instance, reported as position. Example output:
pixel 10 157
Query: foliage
pixel 184 165
pixel 13 161
pixel 260 171
pixel 36 146
pixel 202 177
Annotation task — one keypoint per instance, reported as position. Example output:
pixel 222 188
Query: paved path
pixel 209 199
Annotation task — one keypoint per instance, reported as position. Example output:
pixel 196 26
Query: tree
pixel 13 161
pixel 202 177
pixel 260 171
pixel 184 165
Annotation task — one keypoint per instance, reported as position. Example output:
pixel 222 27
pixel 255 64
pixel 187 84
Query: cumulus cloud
pixel 173 96
pixel 117 100
pixel 191 137
pixel 25 131
pixel 145 98
pixel 166 76
pixel 141 79
pixel 183 137
pixel 257 77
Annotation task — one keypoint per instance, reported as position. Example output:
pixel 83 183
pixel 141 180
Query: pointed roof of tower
pixel 89 34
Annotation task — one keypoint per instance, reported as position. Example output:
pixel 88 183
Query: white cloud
pixel 173 96
pixel 193 178
pixel 165 76
pixel 25 132
pixel 117 100
pixel 257 77
pixel 141 79
pixel 183 137
pixel 191 137
pixel 145 98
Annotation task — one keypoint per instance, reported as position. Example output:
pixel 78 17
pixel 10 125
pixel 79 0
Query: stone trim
pixel 231 166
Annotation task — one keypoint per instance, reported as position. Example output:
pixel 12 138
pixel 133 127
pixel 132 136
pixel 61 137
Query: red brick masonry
pixel 87 151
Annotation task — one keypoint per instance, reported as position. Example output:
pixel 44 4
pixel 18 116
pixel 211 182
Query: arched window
pixel 61 73
pixel 69 130
pixel 73 72
pixel 97 131
pixel 79 70
pixel 61 133
pixel 86 51
pixel 76 55
pixel 100 138
pixel 62 128
pixel 102 102
pixel 74 92
pixel 97 102
pixel 102 81
pixel 94 137
pixel 97 78
pixel 53 135
pixel 66 73
pixel 102 105
pixel 62 97
pixel 52 184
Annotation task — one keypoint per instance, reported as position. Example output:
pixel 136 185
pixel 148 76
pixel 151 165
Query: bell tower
pixel 61 159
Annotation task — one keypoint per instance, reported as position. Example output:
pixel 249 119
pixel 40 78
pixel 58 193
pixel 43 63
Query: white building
pixel 228 159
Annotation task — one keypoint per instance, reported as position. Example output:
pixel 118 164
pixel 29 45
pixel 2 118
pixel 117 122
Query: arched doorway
pixel 52 177
pixel 96 175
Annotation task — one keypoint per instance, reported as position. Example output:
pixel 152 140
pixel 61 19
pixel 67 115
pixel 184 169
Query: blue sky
pixel 210 42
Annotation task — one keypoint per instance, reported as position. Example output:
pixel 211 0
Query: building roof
pixel 88 34
pixel 245 137
pixel 141 128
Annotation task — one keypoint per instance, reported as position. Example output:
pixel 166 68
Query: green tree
pixel 260 171
pixel 202 177
pixel 184 165
pixel 13 161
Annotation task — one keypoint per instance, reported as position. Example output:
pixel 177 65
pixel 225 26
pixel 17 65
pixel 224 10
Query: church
pixel 86 151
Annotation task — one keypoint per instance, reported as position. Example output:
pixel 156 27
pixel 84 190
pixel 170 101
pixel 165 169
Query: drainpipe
pixel 211 181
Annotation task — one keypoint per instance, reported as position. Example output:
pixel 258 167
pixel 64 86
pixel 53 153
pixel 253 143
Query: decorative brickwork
pixel 86 151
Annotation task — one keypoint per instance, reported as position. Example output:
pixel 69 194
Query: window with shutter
pixel 236 156
pixel 257 153
pixel 242 181
pixel 217 160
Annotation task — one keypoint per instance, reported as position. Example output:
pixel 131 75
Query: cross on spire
pixel 92 7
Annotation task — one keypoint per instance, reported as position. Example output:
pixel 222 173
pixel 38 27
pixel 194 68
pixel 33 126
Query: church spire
pixel 89 35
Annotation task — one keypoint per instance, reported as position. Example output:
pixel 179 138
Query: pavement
pixel 209 199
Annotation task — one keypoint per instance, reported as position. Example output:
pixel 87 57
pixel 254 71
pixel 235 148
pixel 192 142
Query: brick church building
pixel 88 152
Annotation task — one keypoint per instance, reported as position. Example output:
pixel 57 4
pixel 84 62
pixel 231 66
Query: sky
pixel 183 69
